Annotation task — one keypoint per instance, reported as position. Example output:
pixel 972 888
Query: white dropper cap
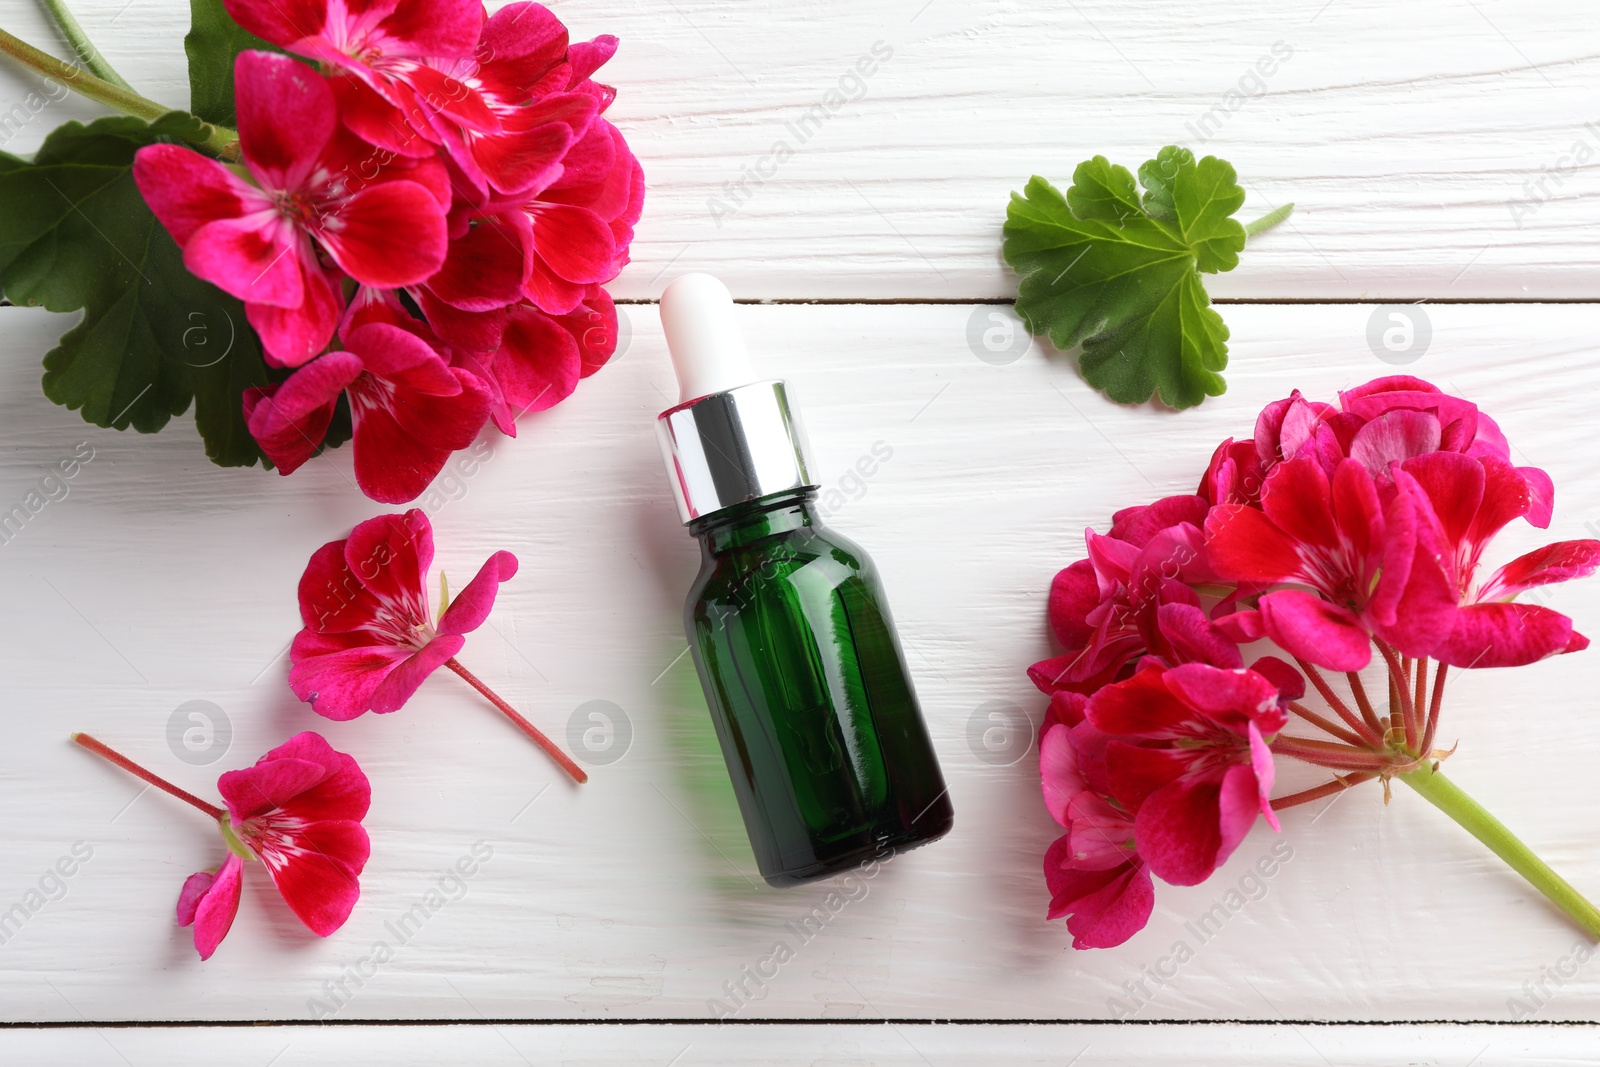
pixel 707 346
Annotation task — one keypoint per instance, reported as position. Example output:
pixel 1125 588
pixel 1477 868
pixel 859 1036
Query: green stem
pixel 1448 798
pixel 220 140
pixel 81 44
pixel 1268 221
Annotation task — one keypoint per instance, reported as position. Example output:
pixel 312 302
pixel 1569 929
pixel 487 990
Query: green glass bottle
pixel 796 651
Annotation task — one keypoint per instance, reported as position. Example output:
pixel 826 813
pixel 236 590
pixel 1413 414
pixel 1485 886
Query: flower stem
pixel 1448 798
pixel 1268 221
pixel 1364 702
pixel 1432 729
pixel 1325 724
pixel 1326 789
pixel 220 140
pixel 1372 737
pixel 524 725
pixel 1400 696
pixel 81 44
pixel 113 756
pixel 1329 754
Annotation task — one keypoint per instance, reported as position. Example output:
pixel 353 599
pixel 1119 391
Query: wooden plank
pixel 852 1044
pixel 1435 150
pixel 159 580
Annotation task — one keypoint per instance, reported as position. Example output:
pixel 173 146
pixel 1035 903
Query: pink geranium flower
pixel 299 812
pixel 260 240
pixel 1336 532
pixel 1097 879
pixel 409 407
pixel 1362 555
pixel 1187 754
pixel 1475 497
pixel 370 638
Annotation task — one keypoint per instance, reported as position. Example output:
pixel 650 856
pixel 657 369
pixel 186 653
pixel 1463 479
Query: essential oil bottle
pixel 807 685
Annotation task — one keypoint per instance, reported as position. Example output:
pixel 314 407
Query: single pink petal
pixel 1243 544
pixel 185 190
pixel 281 22
pixel 1395 436
pixel 574 242
pixel 403 358
pixel 1142 706
pixel 1059 776
pixel 1541 496
pixel 537 365
pixel 518 159
pixel 290 420
pixel 343 793
pixel 1195 638
pixel 1504 635
pixel 1106 907
pixel 339 683
pixel 587 57
pixel 1454 484
pixel 255 790
pixel 387 235
pixel 391 465
pixel 444 421
pixel 1558 562
pixel 473 603
pixel 593 324
pixel 1227 696
pixel 1179 830
pixel 399 684
pixel 1133 772
pixel 1262 767
pixel 1298 498
pixel 318 879
pixel 483 270
pixel 1314 630
pixel 294 336
pixel 443 28
pixel 209 902
pixel 255 257
pixel 390 556
pixel 286 118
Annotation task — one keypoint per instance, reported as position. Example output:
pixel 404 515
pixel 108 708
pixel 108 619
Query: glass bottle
pixel 831 762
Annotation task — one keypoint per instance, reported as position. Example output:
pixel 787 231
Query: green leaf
pixel 75 233
pixel 214 41
pixel 1119 273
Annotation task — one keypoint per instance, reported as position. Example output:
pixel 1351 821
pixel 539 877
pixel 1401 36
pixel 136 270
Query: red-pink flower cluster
pixel 1334 531
pixel 441 203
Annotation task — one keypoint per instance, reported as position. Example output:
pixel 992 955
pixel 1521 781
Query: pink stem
pixel 1329 754
pixel 524 725
pixel 1326 724
pixel 1432 730
pixel 113 756
pixel 1327 789
pixel 1372 736
pixel 1359 691
pixel 1402 688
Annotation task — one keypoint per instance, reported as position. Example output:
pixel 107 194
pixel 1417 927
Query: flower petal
pixel 209 902
pixel 473 603
pixel 387 235
pixel 400 683
pixel 1314 630
pixel 267 785
pixel 185 190
pixel 286 118
pixel 1504 635
pixel 319 879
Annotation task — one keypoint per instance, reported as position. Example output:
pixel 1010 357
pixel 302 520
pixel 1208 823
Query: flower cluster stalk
pixel 1400 746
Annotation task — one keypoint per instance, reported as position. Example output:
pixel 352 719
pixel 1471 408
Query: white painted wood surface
pixel 1404 133
pixel 160 579
pixel 845 1045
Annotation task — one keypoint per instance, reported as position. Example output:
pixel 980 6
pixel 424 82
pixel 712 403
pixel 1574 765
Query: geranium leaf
pixel 213 42
pixel 76 234
pixel 1119 273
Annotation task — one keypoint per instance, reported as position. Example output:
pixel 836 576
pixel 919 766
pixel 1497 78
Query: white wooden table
pixel 1440 153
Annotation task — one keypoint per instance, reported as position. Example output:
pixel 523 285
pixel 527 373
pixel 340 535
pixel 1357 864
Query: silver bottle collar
pixel 730 447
